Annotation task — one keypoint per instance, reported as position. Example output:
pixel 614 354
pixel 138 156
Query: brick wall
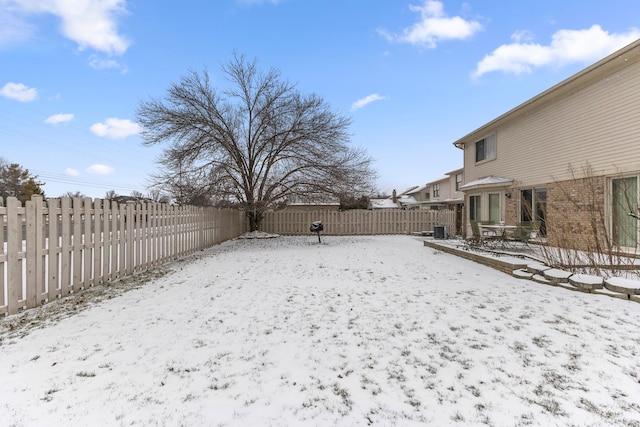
pixel 576 214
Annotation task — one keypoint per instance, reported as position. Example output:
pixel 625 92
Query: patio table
pixel 501 231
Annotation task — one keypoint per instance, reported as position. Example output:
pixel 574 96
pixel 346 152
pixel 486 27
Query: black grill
pixel 317 227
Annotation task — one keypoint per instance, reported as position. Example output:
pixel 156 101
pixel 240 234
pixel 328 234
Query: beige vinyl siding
pixel 599 123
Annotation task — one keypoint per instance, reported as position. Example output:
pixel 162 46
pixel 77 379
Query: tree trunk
pixel 255 219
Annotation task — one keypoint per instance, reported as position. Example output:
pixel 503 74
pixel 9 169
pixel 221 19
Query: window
pixel 474 208
pixel 624 198
pixel 458 181
pixel 494 208
pixel 533 205
pixel 436 190
pixel 427 196
pixel 486 148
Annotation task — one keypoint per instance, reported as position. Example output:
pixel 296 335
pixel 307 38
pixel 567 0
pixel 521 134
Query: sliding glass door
pixel 624 200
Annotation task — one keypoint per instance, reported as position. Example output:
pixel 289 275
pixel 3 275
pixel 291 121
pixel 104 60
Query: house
pixel 442 193
pixel 567 160
pixel 421 196
pixel 386 203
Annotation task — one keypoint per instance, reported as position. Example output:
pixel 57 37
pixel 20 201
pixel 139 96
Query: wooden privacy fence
pixel 353 222
pixel 59 246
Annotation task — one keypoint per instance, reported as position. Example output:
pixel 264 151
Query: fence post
pixel 129 238
pixel 98 242
pixel 87 243
pixel 14 247
pixel 53 248
pixel 77 243
pixel 34 251
pixel 65 254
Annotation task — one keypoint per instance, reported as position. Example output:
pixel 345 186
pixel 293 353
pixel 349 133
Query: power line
pixel 63 179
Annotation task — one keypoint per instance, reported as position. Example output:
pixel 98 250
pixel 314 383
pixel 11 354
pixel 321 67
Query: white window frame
pixel 488 152
pixel 478 207
pixel 610 207
pixel 498 197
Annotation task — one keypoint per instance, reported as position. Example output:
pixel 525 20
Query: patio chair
pixel 522 233
pixel 480 238
pixel 476 237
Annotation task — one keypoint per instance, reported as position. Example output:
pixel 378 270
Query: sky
pixel 250 333
pixel 414 76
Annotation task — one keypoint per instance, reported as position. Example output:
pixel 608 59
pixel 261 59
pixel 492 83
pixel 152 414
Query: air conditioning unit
pixel 440 232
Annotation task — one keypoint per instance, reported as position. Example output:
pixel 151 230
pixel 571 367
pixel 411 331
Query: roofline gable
pixel 611 64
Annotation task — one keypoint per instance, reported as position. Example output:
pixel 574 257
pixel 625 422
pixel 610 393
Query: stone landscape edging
pixel 627 289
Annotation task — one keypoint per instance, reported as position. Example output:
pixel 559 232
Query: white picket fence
pixel 60 246
pixel 358 222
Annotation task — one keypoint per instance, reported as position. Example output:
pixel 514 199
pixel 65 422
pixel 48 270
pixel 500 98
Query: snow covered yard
pixel 353 331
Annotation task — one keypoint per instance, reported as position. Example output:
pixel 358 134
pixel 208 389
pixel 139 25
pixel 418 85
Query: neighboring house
pixel 445 193
pixel 387 203
pixel 407 201
pixel 402 201
pixel 421 196
pixel 568 159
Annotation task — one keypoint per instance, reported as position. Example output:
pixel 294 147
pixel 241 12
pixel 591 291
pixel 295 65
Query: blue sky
pixel 413 75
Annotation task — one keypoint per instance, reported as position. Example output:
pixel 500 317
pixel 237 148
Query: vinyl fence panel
pixel 60 246
pixel 358 222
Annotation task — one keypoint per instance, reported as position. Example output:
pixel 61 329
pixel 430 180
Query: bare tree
pixel 111 194
pixel 74 194
pixel 254 143
pixel 158 196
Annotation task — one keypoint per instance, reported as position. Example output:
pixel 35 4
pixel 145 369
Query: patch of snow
pixel 257 235
pixel 357 330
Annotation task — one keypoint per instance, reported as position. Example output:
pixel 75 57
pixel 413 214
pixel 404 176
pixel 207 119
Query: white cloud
pixel 90 23
pixel 12 28
pixel 18 92
pixel 98 169
pixel 115 128
pixel 101 63
pixel 567 47
pixel 71 172
pixel 59 118
pixel 366 100
pixel 434 26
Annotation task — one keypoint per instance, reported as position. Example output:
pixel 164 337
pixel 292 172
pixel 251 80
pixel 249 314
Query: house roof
pixel 601 69
pixel 488 181
pixel 409 190
pixel 442 178
pixel 383 204
pixel 418 189
pixel 454 200
pixel 455 171
pixel 406 200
